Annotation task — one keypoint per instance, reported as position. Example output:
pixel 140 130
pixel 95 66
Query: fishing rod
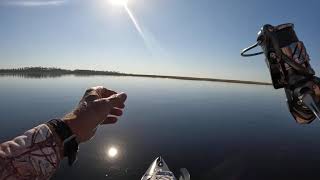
pixel 288 62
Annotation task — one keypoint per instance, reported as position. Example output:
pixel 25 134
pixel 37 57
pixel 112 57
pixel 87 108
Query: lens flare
pixel 134 21
pixel 148 38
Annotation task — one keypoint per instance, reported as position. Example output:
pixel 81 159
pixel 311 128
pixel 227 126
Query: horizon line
pixel 23 70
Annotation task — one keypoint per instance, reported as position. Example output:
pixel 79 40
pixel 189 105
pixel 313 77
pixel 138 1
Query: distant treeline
pixel 43 72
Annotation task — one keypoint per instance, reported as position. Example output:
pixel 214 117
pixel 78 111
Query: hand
pixel 98 106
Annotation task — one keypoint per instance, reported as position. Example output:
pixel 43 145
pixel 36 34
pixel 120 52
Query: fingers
pixel 100 91
pixel 112 103
pixel 106 104
pixel 90 95
pixel 110 120
pixel 122 106
pixel 117 100
pixel 104 92
pixel 116 112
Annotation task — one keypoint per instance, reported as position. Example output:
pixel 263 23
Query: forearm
pixel 37 153
pixel 34 155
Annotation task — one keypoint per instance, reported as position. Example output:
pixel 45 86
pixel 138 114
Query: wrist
pixel 67 137
pixel 57 139
pixel 70 120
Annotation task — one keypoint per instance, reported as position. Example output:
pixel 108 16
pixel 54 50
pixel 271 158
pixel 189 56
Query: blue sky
pixel 181 37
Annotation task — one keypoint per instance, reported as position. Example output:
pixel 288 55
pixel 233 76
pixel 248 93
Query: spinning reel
pixel 288 63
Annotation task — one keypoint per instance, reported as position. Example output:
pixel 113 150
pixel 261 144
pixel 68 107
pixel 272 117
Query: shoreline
pixel 40 72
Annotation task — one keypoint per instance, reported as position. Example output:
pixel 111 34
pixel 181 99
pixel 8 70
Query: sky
pixel 201 38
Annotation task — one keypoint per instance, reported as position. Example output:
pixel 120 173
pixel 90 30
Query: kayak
pixel 159 170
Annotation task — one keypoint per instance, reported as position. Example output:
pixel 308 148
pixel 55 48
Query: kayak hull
pixel 158 170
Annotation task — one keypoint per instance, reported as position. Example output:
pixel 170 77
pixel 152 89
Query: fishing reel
pixel 288 63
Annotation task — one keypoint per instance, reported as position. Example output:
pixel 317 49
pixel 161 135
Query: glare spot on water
pixel 112 152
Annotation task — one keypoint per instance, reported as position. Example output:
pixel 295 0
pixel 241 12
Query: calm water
pixel 215 130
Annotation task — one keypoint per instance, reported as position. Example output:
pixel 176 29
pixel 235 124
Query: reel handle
pixel 244 51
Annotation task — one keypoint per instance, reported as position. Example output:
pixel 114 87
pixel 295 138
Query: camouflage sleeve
pixel 34 155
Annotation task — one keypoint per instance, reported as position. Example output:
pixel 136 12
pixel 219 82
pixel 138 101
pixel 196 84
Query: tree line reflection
pixel 43 72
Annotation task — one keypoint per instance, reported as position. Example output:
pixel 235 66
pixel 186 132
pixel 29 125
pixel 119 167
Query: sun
pixel 121 3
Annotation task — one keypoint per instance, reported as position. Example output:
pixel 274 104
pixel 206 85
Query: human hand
pixel 98 106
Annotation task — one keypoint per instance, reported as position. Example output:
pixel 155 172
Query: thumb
pixel 117 100
pixel 103 106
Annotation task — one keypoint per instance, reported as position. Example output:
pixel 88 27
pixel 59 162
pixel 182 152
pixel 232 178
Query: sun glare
pixel 121 3
pixel 112 152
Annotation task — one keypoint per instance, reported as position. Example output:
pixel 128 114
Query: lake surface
pixel 215 130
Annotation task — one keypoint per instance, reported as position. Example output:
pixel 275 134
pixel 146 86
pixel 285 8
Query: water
pixel 215 130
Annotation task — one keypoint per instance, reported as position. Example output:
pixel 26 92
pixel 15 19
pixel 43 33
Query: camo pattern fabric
pixel 34 155
pixel 164 178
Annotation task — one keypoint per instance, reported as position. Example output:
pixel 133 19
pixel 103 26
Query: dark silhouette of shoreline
pixel 43 72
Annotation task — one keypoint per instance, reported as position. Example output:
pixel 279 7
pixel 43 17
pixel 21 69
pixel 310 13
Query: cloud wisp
pixel 34 3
